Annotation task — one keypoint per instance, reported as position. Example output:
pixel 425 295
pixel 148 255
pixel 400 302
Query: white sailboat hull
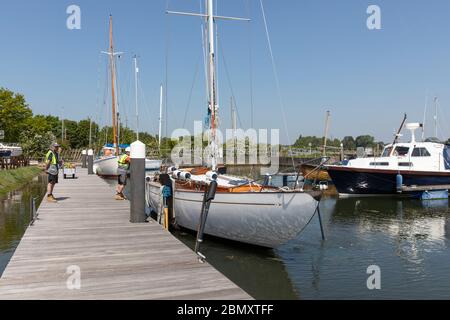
pixel 106 167
pixel 152 165
pixel 267 219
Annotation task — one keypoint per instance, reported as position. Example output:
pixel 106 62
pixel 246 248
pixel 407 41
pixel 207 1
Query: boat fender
pixel 176 174
pixel 399 183
pixel 184 175
pixel 211 175
pixel 171 169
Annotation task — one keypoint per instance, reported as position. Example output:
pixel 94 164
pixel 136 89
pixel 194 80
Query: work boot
pixel 50 198
pixel 120 197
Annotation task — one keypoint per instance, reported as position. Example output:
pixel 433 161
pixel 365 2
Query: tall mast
pixel 436 117
pixel 136 71
pixel 160 116
pixel 211 73
pixel 325 139
pixel 233 120
pixel 212 83
pixel 113 81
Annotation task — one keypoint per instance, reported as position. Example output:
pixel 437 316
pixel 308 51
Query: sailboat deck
pixel 88 230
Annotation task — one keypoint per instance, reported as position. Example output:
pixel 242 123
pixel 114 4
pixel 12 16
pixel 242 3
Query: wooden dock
pixel 89 230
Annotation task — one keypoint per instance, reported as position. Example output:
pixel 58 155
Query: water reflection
pixel 15 216
pixel 408 239
pixel 258 271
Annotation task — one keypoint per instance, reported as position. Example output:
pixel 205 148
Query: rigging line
pixel 119 88
pixel 97 99
pixel 439 123
pixel 250 54
pixel 216 61
pixel 444 116
pixel 424 116
pixel 147 106
pixel 277 82
pixel 205 63
pixel 194 80
pixel 108 119
pixel 229 83
pixel 166 89
pixel 103 107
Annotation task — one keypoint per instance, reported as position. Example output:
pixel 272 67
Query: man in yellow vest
pixel 122 171
pixel 52 164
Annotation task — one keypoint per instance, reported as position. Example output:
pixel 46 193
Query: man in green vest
pixel 122 171
pixel 52 164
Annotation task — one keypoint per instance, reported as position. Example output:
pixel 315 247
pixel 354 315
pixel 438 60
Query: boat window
pixel 275 181
pixel 387 152
pixel 401 151
pixel 379 163
pixel 405 164
pixel 420 152
pixel 447 157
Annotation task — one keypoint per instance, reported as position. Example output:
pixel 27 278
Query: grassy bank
pixel 14 179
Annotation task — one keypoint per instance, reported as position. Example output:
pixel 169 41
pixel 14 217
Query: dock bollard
pixel 84 159
pixel 137 183
pixel 90 161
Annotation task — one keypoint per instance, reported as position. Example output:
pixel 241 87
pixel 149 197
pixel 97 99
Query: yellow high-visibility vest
pixel 47 157
pixel 123 163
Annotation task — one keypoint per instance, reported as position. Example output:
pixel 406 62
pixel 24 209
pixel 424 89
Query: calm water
pixel 15 216
pixel 407 239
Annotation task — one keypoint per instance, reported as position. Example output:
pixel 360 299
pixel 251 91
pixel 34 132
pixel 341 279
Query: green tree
pixel 349 143
pixel 14 114
pixel 365 141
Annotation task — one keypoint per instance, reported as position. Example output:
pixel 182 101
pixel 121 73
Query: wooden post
pixel 137 177
pixel 84 159
pixel 90 161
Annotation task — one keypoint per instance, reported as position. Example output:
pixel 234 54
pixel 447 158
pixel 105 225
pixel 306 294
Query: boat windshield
pixel 387 152
pixel 447 157
pixel 401 151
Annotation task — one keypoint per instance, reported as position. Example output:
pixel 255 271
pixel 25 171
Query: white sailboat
pixel 7 151
pixel 242 210
pixel 107 164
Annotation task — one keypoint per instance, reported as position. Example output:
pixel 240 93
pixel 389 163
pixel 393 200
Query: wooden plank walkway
pixel 117 259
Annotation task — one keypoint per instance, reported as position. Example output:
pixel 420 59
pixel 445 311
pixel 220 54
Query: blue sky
pixel 326 58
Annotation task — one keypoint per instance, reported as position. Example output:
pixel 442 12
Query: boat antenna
pixel 436 116
pixel 161 92
pixel 424 117
pixel 399 130
pixel 212 74
pixel 136 71
pixel 327 126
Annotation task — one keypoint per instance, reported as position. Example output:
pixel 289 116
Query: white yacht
pixel 402 164
pixel 10 151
